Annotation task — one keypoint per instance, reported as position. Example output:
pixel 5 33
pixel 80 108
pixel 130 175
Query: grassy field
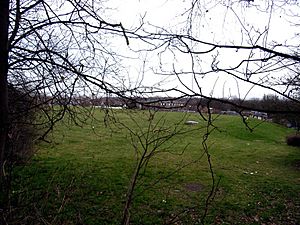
pixel 82 177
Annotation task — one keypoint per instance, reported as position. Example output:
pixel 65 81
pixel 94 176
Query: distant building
pixel 259 115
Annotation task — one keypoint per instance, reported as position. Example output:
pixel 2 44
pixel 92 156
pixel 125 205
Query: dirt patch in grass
pixel 194 187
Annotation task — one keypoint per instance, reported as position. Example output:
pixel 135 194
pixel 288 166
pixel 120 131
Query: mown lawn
pixel 82 176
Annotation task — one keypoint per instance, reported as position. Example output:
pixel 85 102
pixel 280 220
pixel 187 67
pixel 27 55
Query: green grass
pixel 83 175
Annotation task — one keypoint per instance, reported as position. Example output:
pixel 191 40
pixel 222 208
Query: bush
pixel 293 140
pixel 21 131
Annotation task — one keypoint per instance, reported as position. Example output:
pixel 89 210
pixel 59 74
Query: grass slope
pixel 83 175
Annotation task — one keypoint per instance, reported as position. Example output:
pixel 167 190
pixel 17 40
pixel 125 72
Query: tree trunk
pixel 4 124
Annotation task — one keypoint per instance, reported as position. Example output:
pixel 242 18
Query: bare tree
pixel 153 136
pixel 3 80
pixel 241 46
pixel 54 51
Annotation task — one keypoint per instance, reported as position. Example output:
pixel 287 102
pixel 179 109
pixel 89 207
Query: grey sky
pixel 264 23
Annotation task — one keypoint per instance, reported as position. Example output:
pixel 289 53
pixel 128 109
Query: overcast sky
pixel 213 23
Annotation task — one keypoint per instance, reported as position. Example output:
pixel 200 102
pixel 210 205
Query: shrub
pixel 293 140
pixel 21 131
